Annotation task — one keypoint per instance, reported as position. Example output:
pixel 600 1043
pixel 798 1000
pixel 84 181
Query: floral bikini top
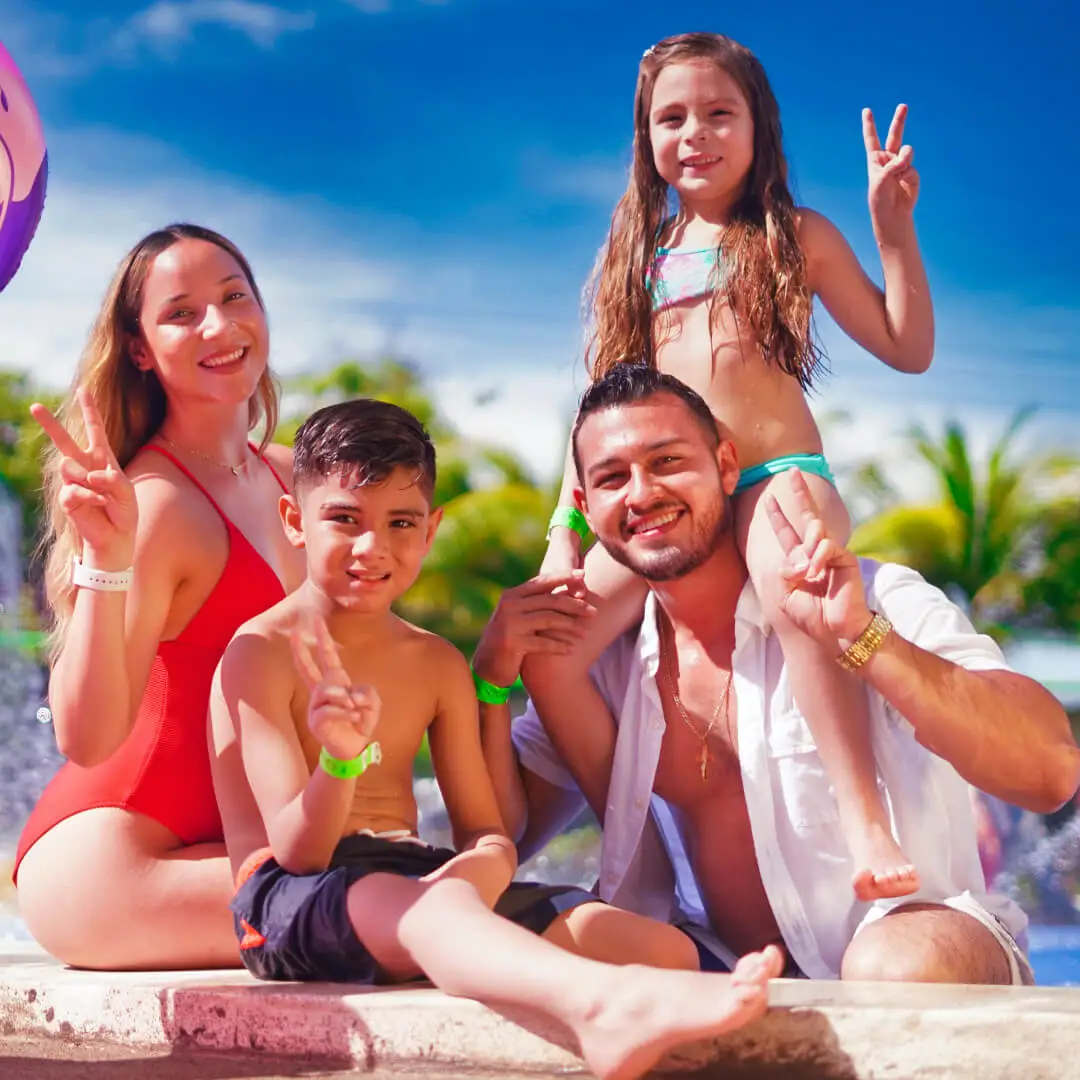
pixel 679 274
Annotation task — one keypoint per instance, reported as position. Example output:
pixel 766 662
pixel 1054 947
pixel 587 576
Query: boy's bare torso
pixel 402 665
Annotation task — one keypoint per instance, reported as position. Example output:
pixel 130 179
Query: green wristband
pixel 489 693
pixel 348 768
pixel 569 517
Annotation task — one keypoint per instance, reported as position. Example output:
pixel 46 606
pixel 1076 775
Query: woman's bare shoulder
pixel 281 458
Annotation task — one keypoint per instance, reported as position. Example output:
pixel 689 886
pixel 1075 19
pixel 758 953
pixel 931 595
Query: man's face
pixel 656 492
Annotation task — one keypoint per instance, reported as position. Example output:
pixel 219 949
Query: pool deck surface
pixel 55 1022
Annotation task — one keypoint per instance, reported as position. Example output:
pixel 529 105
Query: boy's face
pixel 365 543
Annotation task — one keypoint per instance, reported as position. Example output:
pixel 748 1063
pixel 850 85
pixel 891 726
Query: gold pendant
pixel 703 761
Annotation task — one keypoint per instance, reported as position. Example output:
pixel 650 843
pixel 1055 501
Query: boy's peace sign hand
pixel 342 717
pixel 824 594
pixel 96 495
pixel 894 184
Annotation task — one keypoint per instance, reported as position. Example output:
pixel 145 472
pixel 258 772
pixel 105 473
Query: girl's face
pixel 702 133
pixel 203 332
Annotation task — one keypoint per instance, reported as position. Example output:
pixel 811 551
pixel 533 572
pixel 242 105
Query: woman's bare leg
pixel 579 723
pixel 625 1018
pixel 112 890
pixel 833 702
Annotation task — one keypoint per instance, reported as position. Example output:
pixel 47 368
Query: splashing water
pixel 1043 874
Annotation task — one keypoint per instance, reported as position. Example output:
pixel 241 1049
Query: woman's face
pixel 203 331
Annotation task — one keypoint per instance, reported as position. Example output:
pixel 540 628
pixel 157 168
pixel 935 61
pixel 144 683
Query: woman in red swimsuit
pixel 165 538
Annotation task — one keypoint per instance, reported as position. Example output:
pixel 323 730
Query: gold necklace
pixel 234 469
pixel 667 637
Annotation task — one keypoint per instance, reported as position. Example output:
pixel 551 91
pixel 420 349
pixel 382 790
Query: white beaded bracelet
pixel 86 577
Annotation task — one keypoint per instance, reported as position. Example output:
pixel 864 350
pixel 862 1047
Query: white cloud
pixel 370 7
pixel 380 7
pixel 501 366
pixel 594 181
pixel 329 289
pixel 168 23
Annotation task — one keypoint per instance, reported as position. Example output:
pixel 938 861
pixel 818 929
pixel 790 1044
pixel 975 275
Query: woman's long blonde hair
pixel 764 279
pixel 131 402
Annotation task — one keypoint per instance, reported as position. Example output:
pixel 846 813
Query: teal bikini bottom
pixel 808 463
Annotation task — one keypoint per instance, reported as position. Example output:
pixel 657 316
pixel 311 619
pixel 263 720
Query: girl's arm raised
pixel 896 325
pixel 564 544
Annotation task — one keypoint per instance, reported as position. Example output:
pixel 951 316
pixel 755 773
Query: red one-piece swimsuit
pixel 162 769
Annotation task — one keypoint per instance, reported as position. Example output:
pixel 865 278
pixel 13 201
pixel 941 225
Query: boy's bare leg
pixel 624 1018
pixel 833 702
pixel 488 867
pixel 601 932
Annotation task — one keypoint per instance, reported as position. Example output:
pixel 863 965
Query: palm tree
pixel 980 541
pixel 1052 596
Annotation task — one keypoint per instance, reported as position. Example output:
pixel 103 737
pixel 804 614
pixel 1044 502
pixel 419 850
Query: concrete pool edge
pixel 828 1029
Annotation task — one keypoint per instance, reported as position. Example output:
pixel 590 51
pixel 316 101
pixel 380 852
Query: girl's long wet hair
pixel 131 402
pixel 764 272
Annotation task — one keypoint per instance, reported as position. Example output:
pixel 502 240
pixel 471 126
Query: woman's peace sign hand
pixel 96 495
pixel 894 183
pixel 342 717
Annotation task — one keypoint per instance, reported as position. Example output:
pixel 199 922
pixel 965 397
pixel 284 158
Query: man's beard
pixel 670 563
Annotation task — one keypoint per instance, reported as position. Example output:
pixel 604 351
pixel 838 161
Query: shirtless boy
pixel 333 883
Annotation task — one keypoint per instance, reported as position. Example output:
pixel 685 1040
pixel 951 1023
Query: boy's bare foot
pixel 647 1011
pixel 885 871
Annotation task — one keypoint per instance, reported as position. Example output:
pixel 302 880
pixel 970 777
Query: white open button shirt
pixel 804 863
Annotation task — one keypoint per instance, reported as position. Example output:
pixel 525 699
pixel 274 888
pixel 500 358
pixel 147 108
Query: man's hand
pixel 824 595
pixel 546 614
pixel 342 717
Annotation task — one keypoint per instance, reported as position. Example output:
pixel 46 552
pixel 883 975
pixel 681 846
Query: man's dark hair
pixel 628 384
pixel 364 437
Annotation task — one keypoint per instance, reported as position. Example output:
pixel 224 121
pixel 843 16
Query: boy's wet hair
pixel 628 384
pixel 366 439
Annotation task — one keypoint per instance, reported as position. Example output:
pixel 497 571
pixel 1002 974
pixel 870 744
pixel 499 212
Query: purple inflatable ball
pixel 23 168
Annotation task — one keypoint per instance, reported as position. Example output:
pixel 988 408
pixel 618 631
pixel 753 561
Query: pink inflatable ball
pixel 23 167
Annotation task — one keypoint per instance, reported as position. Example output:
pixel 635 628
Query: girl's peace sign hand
pixel 96 495
pixel 894 184
pixel 342 717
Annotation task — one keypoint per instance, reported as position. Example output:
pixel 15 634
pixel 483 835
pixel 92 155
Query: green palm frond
pixel 993 538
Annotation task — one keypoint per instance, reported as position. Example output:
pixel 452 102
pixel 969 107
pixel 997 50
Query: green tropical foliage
pixel 21 446
pixel 997 538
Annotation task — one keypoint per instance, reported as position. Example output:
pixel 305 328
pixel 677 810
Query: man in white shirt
pixel 749 850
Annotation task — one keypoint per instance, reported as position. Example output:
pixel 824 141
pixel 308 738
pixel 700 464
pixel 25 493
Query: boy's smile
pixel 365 541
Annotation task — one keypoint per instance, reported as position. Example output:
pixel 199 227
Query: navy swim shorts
pixel 296 926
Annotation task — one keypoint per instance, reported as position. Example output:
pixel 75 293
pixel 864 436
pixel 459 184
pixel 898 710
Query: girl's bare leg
pixel 624 1018
pixel 112 890
pixel 579 723
pixel 833 702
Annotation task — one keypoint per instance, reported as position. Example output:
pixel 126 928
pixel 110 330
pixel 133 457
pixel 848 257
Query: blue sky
pixel 438 175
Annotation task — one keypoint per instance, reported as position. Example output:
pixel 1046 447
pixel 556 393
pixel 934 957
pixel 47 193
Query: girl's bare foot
pixel 646 1012
pixel 885 870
